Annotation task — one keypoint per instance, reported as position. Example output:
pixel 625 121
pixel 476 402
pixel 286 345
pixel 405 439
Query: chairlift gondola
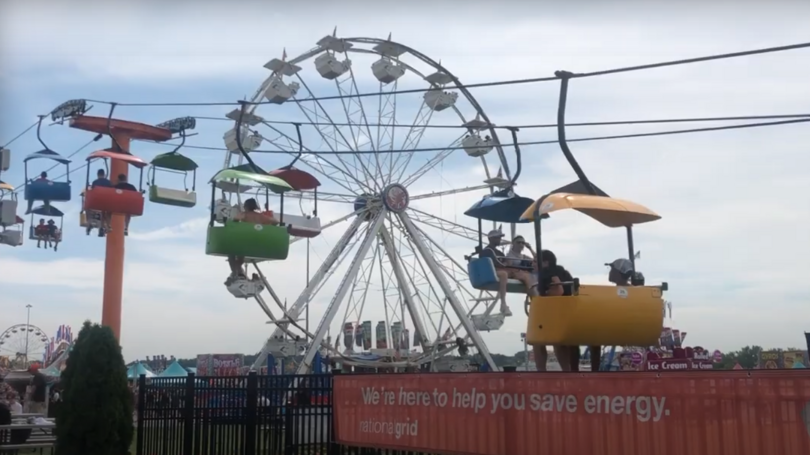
pixel 505 207
pixel 254 242
pixel 8 204
pixel 50 212
pixel 42 188
pixel 110 199
pixel 175 163
pixel 307 226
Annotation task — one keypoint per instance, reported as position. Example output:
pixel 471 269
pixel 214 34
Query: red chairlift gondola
pixel 306 226
pixel 111 199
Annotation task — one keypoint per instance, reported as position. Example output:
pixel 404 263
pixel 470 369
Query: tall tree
pixel 95 417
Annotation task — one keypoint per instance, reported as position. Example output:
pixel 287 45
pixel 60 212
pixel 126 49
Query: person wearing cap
pixel 505 270
pixel 621 270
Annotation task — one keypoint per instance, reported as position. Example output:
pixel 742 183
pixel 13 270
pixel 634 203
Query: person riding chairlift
pixel 505 267
pixel 122 184
pixel 43 176
pixel 250 214
pixel 556 283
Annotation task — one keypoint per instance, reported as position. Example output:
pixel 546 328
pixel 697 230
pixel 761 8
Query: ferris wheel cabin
pixel 5 159
pixel 8 204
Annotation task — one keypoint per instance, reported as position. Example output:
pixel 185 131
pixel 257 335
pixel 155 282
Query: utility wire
pixel 20 135
pixel 437 149
pixel 542 125
pixel 625 69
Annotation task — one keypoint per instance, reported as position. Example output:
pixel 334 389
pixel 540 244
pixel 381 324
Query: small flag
pixel 284 55
pixel 637 255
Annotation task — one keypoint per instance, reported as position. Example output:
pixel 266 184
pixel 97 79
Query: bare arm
pixel 555 289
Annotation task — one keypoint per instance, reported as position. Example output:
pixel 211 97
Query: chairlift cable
pixel 583 139
pixel 625 69
pixel 20 135
pixel 543 125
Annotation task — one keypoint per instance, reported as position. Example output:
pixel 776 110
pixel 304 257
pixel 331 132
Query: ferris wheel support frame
pixel 407 294
pixel 303 299
pixel 416 237
pixel 343 288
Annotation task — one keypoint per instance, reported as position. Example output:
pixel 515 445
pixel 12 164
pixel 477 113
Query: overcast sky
pixel 730 244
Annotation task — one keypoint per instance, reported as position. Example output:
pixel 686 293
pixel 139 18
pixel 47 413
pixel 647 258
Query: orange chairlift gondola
pixel 108 199
pixel 174 162
pixel 42 188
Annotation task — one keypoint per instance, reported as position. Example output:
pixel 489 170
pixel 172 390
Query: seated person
pixel 41 231
pixel 515 256
pixel 102 180
pixel 122 184
pixel 249 215
pixel 43 177
pixel 505 270
pixel 622 273
pixel 558 282
pixel 53 234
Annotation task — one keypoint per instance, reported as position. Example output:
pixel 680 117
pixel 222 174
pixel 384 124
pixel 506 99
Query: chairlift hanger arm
pixel 514 131
pixel 109 129
pixel 300 145
pixel 39 132
pixel 564 77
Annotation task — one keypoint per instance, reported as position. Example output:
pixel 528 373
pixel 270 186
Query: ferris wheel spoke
pixel 343 288
pixel 331 223
pixel 435 194
pixel 386 126
pixel 412 140
pixel 331 134
pixel 457 306
pixel 444 225
pixel 316 162
pixel 433 162
pixel 358 125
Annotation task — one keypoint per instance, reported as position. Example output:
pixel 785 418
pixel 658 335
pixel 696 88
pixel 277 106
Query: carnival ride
pixel 427 294
pixel 23 344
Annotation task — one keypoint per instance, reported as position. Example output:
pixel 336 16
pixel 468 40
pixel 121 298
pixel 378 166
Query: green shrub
pixel 95 417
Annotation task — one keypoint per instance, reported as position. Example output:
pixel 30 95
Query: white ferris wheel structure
pixel 390 254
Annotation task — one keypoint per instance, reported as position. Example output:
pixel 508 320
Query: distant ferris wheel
pixel 23 344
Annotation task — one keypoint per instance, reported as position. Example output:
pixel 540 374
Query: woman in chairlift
pixel 505 269
pixel 250 214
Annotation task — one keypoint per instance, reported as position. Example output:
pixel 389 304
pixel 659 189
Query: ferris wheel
pixel 401 297
pixel 23 344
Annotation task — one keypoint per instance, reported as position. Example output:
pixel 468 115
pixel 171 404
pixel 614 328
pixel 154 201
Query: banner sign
pixel 690 413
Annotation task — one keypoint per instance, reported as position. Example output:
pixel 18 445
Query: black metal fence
pixel 245 415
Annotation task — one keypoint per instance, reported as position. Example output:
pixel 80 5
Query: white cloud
pixel 733 203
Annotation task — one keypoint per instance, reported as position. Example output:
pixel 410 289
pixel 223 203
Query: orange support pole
pixel 124 133
pixel 114 259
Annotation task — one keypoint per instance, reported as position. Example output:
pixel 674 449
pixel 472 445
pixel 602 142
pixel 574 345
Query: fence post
pixel 334 446
pixel 139 414
pixel 188 415
pixel 251 405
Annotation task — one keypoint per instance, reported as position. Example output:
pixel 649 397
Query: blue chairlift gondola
pixel 42 188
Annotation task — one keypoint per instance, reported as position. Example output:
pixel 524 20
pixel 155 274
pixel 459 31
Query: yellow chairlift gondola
pixel 595 314
pixel 175 163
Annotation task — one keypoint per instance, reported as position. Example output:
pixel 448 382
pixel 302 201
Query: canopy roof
pixel 606 210
pixel 174 161
pixel 123 156
pixel 275 184
pixel 46 154
pixel 503 206
pixel 175 370
pixel 299 180
pixel 47 210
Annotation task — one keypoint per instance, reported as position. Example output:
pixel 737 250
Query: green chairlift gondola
pixel 175 163
pixel 254 242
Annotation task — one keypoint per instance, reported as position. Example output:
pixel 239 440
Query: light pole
pixel 27 331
